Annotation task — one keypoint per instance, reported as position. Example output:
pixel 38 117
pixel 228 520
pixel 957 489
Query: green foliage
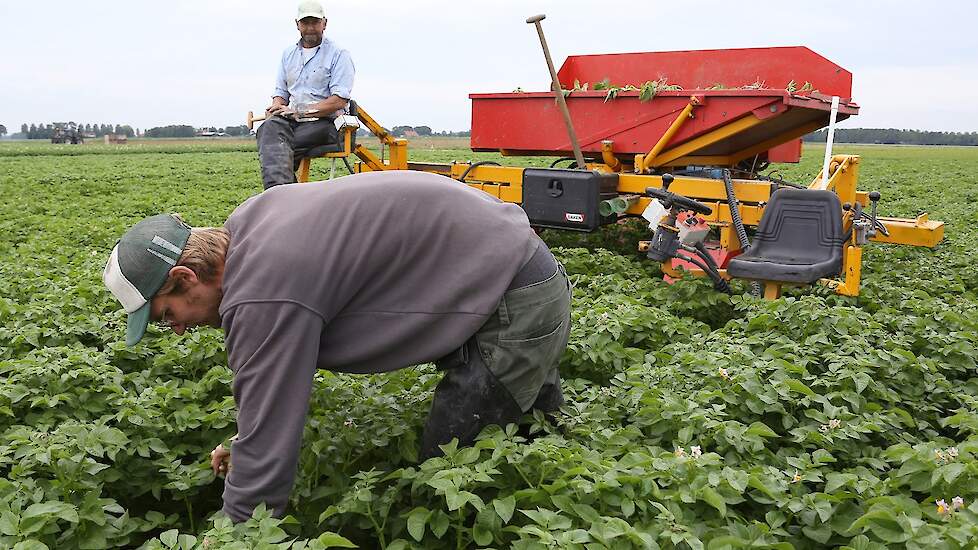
pixel 693 419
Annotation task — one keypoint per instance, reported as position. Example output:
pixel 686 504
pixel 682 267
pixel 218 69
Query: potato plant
pixel 694 419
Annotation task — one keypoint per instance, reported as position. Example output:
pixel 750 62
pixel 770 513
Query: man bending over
pixel 364 274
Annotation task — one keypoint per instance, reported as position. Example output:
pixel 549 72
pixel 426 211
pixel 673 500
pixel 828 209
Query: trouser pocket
pixel 524 348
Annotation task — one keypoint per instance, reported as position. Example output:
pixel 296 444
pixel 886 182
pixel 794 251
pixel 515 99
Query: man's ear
pixel 183 274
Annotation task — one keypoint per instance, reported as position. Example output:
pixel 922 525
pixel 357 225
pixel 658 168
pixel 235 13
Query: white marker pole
pixel 828 141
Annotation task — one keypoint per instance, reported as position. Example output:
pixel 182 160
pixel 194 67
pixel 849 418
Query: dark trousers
pixel 282 143
pixel 506 369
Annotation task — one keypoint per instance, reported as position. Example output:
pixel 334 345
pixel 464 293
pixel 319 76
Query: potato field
pixel 694 420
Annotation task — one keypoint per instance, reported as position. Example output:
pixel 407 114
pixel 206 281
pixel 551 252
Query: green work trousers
pixel 507 368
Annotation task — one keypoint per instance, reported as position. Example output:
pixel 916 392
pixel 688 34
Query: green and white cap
pixel 139 265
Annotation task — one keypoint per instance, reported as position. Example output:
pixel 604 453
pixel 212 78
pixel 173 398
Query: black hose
pixel 346 161
pixel 781 182
pixel 563 159
pixel 738 223
pixel 718 282
pixel 473 165
pixel 735 210
pixel 705 254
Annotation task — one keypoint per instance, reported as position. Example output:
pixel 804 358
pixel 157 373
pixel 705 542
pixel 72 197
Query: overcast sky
pixel 207 62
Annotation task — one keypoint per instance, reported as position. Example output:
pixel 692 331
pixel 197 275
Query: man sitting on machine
pixel 314 85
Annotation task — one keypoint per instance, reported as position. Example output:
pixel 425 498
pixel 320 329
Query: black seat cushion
pixel 799 239
pixel 321 150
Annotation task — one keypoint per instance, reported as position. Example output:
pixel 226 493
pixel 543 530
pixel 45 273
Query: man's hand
pixel 280 110
pixel 221 460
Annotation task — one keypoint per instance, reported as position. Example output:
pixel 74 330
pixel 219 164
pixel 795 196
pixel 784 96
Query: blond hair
pixel 204 254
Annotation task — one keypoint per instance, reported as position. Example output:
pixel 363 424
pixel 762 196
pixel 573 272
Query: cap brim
pixel 136 325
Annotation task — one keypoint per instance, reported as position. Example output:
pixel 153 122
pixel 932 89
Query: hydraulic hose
pixel 718 282
pixel 473 165
pixel 564 159
pixel 721 285
pixel 781 182
pixel 706 255
pixel 738 223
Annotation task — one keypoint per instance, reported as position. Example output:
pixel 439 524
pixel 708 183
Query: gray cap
pixel 310 8
pixel 139 265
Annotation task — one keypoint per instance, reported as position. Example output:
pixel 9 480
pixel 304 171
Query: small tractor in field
pixel 67 133
pixel 680 138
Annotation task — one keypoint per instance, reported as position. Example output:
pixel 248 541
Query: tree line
pixel 45 131
pixel 187 131
pixel 895 137
pixel 423 131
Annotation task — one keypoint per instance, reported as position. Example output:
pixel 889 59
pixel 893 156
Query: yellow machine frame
pixel 505 182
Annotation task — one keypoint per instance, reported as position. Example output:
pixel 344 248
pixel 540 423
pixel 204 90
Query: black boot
pixel 467 399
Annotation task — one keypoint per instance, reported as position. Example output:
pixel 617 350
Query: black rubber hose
pixel 735 210
pixel 781 182
pixel 563 159
pixel 718 282
pixel 705 254
pixel 738 223
pixel 347 163
pixel 473 165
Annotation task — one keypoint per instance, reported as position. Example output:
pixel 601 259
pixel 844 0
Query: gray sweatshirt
pixel 363 274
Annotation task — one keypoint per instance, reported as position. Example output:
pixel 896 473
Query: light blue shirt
pixel 328 72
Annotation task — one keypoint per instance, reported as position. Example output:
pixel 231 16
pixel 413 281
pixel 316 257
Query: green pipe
pixel 617 205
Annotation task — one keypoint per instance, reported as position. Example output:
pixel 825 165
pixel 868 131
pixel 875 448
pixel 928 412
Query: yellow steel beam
pixel 710 192
pixel 751 215
pixel 667 158
pixel 703 160
pixel 852 267
pixel 398 154
pixel 843 175
pixel 302 175
pixel 919 232
pixel 375 129
pixel 697 188
pixel 772 290
pixel 440 168
pixel 370 161
pixel 502 192
pixel 649 160
pixel 795 133
pixel 512 175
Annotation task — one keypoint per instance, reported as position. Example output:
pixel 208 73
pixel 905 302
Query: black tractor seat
pixel 338 147
pixel 799 239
